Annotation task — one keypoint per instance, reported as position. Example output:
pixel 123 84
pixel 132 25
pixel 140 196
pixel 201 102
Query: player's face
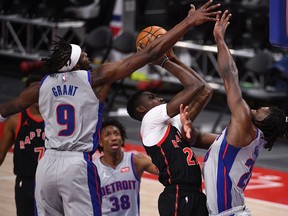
pixel 261 113
pixel 111 139
pixel 150 100
pixel 84 61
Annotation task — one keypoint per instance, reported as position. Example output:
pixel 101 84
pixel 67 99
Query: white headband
pixel 74 58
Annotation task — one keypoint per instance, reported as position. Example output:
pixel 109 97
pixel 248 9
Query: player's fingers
pixel 141 45
pixel 206 5
pixel 218 17
pixel 150 39
pixel 192 7
pixel 186 109
pixel 213 14
pixel 228 16
pixel 181 108
pixel 213 7
pixel 188 134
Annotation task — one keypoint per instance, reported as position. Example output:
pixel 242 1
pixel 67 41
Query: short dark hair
pixel 132 103
pixel 61 52
pixel 109 121
pixel 273 126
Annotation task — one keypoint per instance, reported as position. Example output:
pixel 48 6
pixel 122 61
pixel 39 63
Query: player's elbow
pixel 208 91
pixel 197 88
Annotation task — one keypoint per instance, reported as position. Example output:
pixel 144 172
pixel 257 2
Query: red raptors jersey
pixel 171 154
pixel 175 160
pixel 29 144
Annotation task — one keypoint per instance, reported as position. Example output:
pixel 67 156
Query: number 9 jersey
pixel 71 112
pixel 227 170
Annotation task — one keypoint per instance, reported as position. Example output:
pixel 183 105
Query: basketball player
pixel 71 100
pixel 120 172
pixel 161 133
pixel 229 162
pixel 26 131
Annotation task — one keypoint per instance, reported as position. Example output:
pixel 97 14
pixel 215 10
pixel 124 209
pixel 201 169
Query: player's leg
pixel 199 204
pixel 81 193
pixel 167 204
pixel 24 196
pixel 47 197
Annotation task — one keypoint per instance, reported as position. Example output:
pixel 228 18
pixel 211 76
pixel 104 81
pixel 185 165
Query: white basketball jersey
pixel 71 111
pixel 120 187
pixel 227 171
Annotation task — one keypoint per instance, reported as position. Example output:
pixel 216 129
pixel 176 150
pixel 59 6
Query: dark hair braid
pixel 273 126
pixel 61 53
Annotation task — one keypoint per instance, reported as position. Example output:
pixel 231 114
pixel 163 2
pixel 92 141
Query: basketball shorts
pixel 67 183
pixel 181 201
pixel 24 196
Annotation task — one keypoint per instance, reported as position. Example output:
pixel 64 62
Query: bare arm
pixel 198 103
pixel 240 126
pixel 193 135
pixel 26 98
pixel 192 87
pixel 110 72
pixel 144 163
pixel 8 137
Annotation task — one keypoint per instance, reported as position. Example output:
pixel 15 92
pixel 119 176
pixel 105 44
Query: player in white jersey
pixel 120 172
pixel 229 162
pixel 67 182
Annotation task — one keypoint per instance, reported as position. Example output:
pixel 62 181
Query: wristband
pixel 2 119
pixel 164 61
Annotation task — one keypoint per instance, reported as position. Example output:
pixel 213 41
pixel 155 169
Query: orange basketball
pixel 152 31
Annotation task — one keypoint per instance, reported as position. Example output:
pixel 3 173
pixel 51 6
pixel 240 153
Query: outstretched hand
pixel 185 121
pixel 159 61
pixel 221 25
pixel 170 54
pixel 203 14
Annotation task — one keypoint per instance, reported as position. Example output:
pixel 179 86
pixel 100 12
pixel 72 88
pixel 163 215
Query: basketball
pixel 152 31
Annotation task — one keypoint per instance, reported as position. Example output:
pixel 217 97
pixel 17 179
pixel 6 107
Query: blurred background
pixel 107 29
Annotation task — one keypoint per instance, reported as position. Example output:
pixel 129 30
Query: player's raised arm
pixel 228 71
pixel 113 71
pixel 26 98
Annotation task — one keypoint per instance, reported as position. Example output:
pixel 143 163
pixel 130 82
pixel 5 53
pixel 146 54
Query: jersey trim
pixel 133 168
pixel 165 135
pixel 33 117
pixel 89 77
pixel 93 184
pixel 227 156
pixel 167 164
pixel 19 121
pixel 97 132
pixel 176 200
pixel 43 79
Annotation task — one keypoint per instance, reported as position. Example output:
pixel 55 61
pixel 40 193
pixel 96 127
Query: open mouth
pixel 115 146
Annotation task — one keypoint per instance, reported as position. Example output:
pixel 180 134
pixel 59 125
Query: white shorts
pixel 236 211
pixel 67 183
